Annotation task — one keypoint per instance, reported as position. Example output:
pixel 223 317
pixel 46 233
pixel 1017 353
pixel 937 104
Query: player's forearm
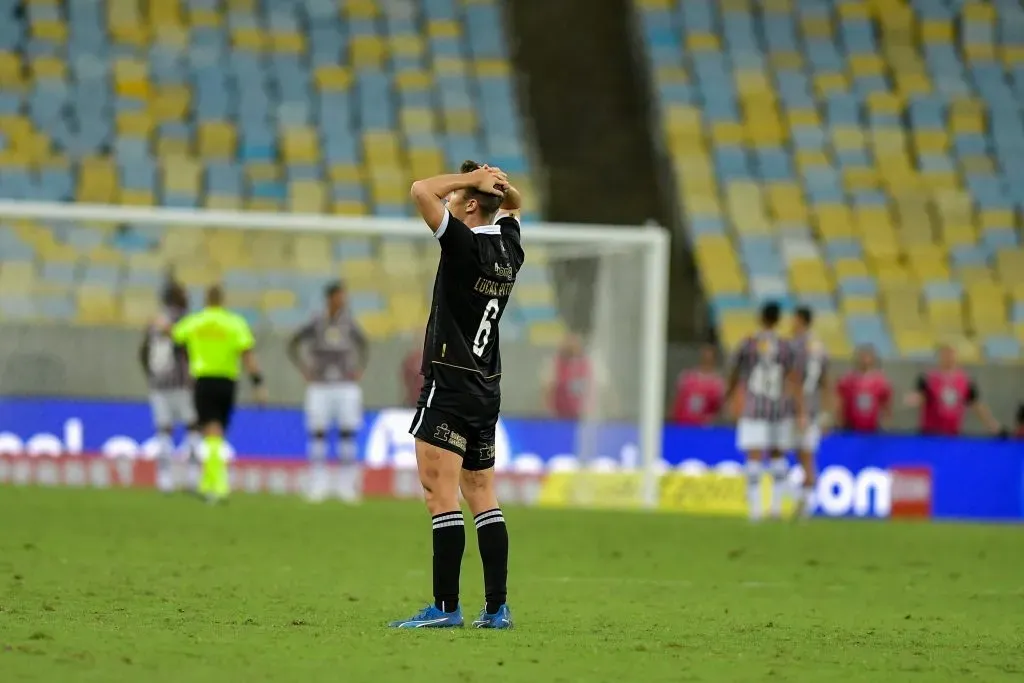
pixel 513 200
pixel 986 417
pixel 250 363
pixel 440 186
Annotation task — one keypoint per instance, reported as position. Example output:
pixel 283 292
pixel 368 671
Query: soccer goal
pixel 95 269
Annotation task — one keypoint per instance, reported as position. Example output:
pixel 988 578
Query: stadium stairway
pixel 586 84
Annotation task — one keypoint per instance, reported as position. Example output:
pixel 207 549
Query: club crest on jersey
pixel 503 271
pixel 332 335
pixel 765 346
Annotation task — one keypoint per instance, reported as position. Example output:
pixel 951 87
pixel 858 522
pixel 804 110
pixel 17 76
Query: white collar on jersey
pixel 486 230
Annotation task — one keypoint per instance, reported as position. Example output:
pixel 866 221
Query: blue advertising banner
pixel 970 478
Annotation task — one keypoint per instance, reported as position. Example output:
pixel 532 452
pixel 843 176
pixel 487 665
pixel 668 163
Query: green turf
pixel 131 586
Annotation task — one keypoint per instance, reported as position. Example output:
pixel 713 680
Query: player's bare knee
pixel 478 490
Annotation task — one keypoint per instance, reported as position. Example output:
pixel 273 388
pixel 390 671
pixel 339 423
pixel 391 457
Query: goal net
pixel 79 282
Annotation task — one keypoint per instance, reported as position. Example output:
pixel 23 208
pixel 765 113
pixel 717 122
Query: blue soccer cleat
pixel 500 619
pixel 431 617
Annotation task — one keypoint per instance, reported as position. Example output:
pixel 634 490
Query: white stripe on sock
pixel 454 522
pixel 445 516
pixel 486 515
pixel 490 520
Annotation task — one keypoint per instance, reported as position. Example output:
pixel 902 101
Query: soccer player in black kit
pixel 481 254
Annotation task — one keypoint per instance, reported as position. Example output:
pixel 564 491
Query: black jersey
pixel 474 280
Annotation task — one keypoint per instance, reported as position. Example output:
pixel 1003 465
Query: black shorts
pixel 214 399
pixel 461 423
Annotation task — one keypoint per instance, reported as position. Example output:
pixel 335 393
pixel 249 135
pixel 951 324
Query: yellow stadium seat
pixel 946 315
pixel 996 218
pixel 866 64
pixel 17 277
pixel 381 148
pixel 307 196
pixel 829 82
pixel 262 204
pixel 170 103
pixel 204 18
pixel 408 45
pixel 136 124
pixel 217 140
pixel 928 262
pixel 136 198
pixel 223 202
pixel 251 38
pixel 931 141
pixel 786 202
pixel 414 80
pixel 936 31
pixel 803 117
pixel 735 327
pixel 288 42
pixel 782 61
pixel 727 133
pixel 703 42
pixel 345 173
pixel 417 120
pixel 859 305
pixel 986 314
pixel 368 52
pixel 49 67
pixel 173 148
pixel 278 298
pixel 885 103
pixel 10 71
pixel 914 342
pixel 833 220
pixel 492 68
pixel 979 52
pixel 424 163
pixel 97 181
pixel 460 121
pixel 131 78
pixel 332 78
pixel 300 145
pixel 849 267
pixel 262 171
pixel 1010 266
pixel 860 179
pixel 810 277
pixel 349 208
pixel 55 31
pixel 816 27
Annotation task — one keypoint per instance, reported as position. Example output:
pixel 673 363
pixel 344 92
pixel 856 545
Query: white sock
pixel 779 469
pixel 808 501
pixel 194 467
pixel 754 472
pixel 351 472
pixel 164 464
pixel 316 449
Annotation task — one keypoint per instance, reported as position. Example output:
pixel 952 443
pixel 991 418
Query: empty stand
pixel 863 156
pixel 273 105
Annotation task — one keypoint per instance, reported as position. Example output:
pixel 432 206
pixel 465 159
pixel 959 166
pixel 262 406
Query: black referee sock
pixel 492 536
pixel 449 544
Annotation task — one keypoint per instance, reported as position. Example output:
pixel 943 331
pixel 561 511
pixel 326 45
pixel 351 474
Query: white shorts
pixel 334 405
pixel 172 407
pixel 764 435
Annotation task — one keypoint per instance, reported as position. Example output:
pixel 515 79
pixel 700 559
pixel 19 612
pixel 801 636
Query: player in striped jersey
pixel 765 368
pixel 165 365
pixel 812 363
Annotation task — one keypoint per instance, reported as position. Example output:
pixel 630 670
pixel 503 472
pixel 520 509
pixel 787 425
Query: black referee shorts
pixel 460 423
pixel 214 399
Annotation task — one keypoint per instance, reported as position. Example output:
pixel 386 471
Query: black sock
pixel 492 535
pixel 449 544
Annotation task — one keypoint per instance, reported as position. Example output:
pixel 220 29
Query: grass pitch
pixel 131 586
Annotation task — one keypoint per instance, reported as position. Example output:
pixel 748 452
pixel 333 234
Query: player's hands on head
pixel 490 180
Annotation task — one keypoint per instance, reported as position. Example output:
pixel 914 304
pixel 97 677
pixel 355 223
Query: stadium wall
pixel 109 444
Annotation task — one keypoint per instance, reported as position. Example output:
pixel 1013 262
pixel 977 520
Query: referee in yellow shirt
pixel 217 341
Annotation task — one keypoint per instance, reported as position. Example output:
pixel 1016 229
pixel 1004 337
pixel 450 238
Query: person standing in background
pixel 336 355
pixel 864 395
pixel 699 392
pixel 571 380
pixel 165 365
pixel 943 395
pixel 412 379
pixel 217 340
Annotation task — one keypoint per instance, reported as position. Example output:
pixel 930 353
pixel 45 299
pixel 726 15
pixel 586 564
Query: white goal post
pixel 637 256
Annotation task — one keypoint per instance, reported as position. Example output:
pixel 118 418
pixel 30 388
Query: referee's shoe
pixel 431 617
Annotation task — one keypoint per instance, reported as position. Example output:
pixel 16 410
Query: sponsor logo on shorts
pixel 444 433
pixel 487 452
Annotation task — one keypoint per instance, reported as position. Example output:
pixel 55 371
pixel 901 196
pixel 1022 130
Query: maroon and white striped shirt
pixel 812 361
pixel 764 361
pixel 166 363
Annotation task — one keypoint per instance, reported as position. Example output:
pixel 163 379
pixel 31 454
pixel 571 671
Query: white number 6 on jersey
pixel 483 333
